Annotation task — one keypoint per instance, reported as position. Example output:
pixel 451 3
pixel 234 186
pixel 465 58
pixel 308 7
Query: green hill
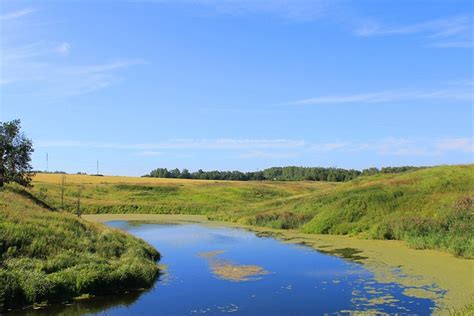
pixel 428 208
pixel 48 256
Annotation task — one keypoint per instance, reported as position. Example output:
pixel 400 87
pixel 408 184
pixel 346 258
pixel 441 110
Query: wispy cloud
pixel 148 153
pixel 54 79
pixel 464 144
pixel 301 10
pixel 16 14
pixel 259 154
pixel 401 147
pixel 448 32
pixel 452 94
pixel 63 48
pixel 454 31
pixel 463 82
pixel 283 148
pixel 46 64
pixel 327 147
pixel 223 143
pixel 396 146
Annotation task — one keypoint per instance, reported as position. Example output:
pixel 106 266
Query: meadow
pixel 48 256
pixel 429 208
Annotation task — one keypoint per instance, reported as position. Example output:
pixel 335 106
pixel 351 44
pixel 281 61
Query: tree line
pixel 290 173
pixel 16 150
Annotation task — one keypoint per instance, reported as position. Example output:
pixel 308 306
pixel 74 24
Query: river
pixel 212 270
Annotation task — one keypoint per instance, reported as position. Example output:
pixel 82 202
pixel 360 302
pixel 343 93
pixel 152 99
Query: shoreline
pixel 389 260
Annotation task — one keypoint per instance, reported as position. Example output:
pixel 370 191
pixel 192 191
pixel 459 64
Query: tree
pixel 175 173
pixel 185 174
pixel 15 155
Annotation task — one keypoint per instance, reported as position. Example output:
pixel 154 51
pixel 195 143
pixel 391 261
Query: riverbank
pixel 389 260
pixel 48 256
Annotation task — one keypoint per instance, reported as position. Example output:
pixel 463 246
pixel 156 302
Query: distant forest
pixel 291 173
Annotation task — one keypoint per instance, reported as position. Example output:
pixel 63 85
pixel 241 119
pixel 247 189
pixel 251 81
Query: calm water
pixel 217 271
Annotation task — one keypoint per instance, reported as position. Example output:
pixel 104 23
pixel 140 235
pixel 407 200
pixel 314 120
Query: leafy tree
pixel 175 173
pixel 185 174
pixel 15 154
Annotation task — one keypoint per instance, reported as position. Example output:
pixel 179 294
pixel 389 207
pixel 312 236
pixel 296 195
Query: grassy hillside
pixel 166 196
pixel 49 256
pixel 428 208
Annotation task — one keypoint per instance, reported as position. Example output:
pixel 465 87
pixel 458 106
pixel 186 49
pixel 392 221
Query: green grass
pixel 48 256
pixel 164 196
pixel 427 208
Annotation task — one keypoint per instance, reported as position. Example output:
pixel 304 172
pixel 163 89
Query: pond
pixel 208 270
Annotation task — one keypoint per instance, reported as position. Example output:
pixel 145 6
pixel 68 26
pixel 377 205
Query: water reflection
pixel 99 304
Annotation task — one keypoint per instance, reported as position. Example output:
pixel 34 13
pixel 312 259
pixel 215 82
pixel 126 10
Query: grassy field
pixel 428 208
pixel 165 196
pixel 50 256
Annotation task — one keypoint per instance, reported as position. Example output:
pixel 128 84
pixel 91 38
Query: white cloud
pixel 16 14
pixel 453 94
pixel 36 62
pixel 258 154
pixel 456 31
pixel 284 148
pixel 223 143
pixel 25 52
pixel 464 144
pixel 400 147
pixel 102 68
pixel 454 44
pixel 35 69
pixel 464 82
pixel 148 153
pixel 452 31
pixel 63 48
pixel 326 147
pixel 290 9
pixel 396 146
pixel 435 28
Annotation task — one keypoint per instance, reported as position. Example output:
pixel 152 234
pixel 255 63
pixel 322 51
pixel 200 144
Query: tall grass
pixel 48 256
pixel 431 208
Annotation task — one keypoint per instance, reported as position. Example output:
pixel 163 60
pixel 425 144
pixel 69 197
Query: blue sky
pixel 239 84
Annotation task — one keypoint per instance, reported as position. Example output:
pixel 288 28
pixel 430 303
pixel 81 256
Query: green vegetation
pixel 48 256
pixel 290 173
pixel 15 154
pixel 123 195
pixel 427 208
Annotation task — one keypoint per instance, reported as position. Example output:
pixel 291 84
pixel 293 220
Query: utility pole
pixel 47 163
pixel 97 167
